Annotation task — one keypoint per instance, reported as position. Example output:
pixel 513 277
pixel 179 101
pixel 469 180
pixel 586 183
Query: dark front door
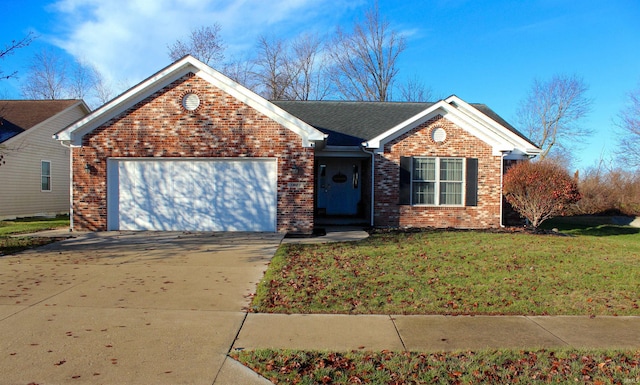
pixel 339 187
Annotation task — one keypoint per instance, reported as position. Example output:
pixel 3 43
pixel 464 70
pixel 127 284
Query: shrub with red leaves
pixel 539 190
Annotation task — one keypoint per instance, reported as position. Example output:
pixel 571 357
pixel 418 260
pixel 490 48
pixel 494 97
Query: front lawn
pixel 483 367
pixel 11 245
pixel 459 272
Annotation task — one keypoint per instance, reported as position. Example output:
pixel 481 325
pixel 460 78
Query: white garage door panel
pixel 195 195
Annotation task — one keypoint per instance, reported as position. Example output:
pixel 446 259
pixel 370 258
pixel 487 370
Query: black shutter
pixel 405 180
pixel 472 182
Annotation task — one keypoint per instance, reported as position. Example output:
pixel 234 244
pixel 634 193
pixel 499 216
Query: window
pixel 437 181
pixel 45 172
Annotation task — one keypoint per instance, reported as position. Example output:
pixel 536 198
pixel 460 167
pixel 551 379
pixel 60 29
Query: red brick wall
pixel 221 127
pixel 418 142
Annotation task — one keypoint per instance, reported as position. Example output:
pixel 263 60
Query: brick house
pixel 189 149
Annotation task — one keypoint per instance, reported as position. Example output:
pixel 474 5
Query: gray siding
pixel 20 178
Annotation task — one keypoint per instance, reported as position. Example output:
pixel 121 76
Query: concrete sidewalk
pixel 435 333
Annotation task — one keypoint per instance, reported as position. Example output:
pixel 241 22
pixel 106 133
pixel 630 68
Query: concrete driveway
pixel 128 308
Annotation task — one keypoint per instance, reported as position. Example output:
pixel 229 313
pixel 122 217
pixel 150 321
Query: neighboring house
pixel 190 149
pixel 34 167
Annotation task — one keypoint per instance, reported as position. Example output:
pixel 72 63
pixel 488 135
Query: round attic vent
pixel 439 135
pixel 190 102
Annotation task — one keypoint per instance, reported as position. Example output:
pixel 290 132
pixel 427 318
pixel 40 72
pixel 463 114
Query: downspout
pixel 70 182
pixel 504 154
pixel 373 163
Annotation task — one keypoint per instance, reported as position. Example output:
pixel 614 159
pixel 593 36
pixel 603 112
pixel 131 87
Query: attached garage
pixel 188 149
pixel 193 194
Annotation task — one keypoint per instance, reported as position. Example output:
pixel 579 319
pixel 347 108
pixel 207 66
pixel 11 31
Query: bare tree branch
pixel 414 90
pixel 204 43
pixel 629 124
pixel 47 78
pixel 308 69
pixel 10 49
pixel 241 71
pixel 273 68
pixel 365 60
pixel 551 113
pixel 101 88
pixel 82 80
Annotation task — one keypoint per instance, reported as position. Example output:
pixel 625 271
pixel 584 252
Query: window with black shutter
pixel 434 181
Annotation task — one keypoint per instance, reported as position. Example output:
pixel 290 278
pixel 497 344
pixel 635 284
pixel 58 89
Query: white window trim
pixel 42 175
pixel 438 181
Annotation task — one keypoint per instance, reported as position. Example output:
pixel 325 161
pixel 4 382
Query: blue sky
pixel 482 51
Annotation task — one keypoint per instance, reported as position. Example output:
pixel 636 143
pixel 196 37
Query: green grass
pixel 11 245
pixel 29 225
pixel 482 367
pixel 459 272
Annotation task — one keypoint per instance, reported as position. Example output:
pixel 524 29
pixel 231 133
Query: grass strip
pixel 481 367
pixel 9 244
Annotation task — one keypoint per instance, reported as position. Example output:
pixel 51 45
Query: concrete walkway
pixel 435 333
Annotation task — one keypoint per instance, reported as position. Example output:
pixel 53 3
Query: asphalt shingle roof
pixel 17 116
pixel 351 123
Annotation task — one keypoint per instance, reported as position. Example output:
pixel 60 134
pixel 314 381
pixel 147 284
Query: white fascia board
pixel 466 117
pixel 514 140
pixel 172 73
pixel 448 112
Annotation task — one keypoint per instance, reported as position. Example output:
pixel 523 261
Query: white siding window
pixel 45 167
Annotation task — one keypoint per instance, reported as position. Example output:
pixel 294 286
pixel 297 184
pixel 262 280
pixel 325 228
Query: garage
pixel 192 194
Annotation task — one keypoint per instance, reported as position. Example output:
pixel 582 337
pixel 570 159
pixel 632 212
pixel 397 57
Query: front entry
pixel 339 190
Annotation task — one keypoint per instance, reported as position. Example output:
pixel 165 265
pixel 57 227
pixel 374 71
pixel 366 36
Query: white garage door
pixel 192 194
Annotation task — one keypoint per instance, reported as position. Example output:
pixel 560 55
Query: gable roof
pixel 18 116
pixel 376 123
pixel 173 72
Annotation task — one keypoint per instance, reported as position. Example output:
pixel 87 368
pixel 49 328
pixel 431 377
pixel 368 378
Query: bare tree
pixel 103 91
pixel 414 90
pixel 241 71
pixel 552 111
pixel 204 43
pixel 82 80
pixel 10 49
pixel 629 123
pixel 308 69
pixel 47 78
pixel 272 68
pixel 51 76
pixel 365 59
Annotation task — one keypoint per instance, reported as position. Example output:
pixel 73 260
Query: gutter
pixel 373 163
pixel 68 145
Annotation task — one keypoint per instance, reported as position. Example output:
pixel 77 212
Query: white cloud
pixel 127 39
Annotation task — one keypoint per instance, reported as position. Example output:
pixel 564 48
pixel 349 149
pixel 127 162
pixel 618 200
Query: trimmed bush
pixel 540 190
